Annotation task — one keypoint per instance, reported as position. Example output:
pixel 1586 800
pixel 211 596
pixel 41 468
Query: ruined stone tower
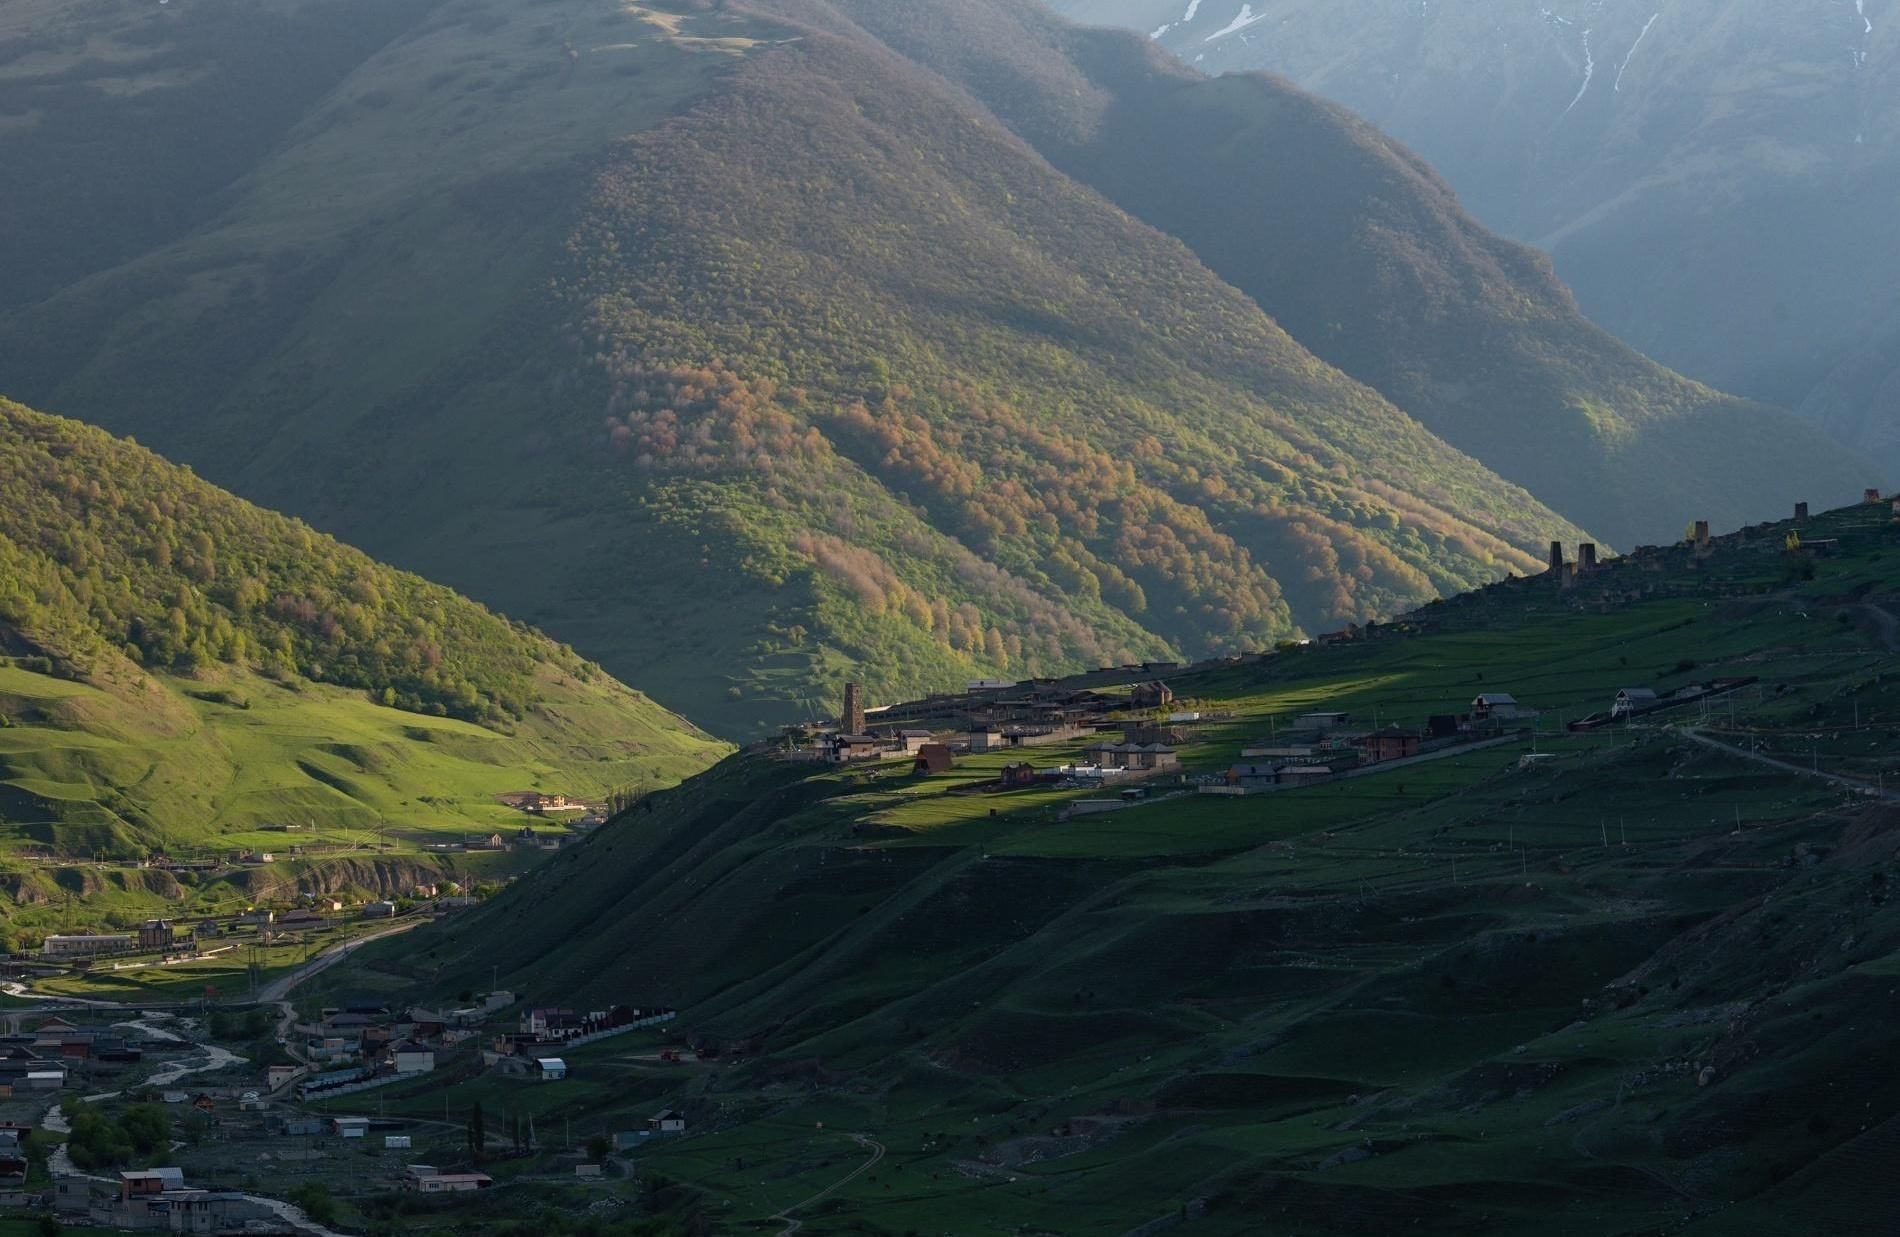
pixel 1557 556
pixel 1587 556
pixel 852 721
pixel 1801 512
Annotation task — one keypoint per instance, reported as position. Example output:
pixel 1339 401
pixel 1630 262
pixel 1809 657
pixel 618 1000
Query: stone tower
pixel 853 719
pixel 1801 512
pixel 1587 557
pixel 1557 556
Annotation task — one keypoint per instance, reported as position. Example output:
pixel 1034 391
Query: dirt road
pixel 863 1140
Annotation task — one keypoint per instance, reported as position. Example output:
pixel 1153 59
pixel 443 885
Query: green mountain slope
pixel 1713 177
pixel 1607 982
pixel 1365 256
pixel 182 670
pixel 749 357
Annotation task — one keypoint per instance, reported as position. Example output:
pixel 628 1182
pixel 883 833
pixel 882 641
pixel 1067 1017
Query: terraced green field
pixel 1638 986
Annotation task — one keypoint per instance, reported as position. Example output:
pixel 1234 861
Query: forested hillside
pixel 179 663
pixel 743 350
pixel 1365 256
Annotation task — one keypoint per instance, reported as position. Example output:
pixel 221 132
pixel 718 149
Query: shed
pixel 550 1069
pixel 667 1121
pixel 934 758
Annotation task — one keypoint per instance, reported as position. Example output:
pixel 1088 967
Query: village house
pixel 1391 743
pixel 1500 707
pixel 136 1183
pixel 667 1121
pixel 13 1158
pixel 1019 775
pixel 550 1069
pixel 379 910
pixel 409 1057
pixel 422 1024
pixel 1633 700
pixel 421 1179
pixel 1134 757
pixel 843 749
pixel 156 934
pixel 23 1070
pixel 1253 775
pixel 1320 723
pixel 1151 695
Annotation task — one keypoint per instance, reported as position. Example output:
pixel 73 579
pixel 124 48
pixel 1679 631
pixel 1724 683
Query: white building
pixel 82 946
pixel 1633 700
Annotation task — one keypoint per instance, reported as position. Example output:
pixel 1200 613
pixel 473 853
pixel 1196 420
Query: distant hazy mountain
pixel 753 348
pixel 1716 178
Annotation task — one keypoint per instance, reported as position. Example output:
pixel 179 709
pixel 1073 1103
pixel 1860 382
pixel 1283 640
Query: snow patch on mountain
pixel 1245 18
pixel 1624 67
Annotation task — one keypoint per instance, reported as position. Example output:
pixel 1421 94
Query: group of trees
pixel 106 549
pixel 99 1141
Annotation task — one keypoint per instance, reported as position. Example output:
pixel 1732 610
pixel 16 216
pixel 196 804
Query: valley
pixel 204 705
pixel 837 617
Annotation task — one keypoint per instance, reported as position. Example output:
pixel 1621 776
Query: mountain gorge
pixel 751 348
pixel 1713 179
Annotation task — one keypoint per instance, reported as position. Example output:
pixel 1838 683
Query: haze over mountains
pixel 1715 178
pixel 754 347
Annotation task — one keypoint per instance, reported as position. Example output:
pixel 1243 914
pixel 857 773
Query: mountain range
pixel 1714 178
pixel 755 347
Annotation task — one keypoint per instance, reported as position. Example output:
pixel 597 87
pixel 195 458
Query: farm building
pixel 61 946
pixel 934 758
